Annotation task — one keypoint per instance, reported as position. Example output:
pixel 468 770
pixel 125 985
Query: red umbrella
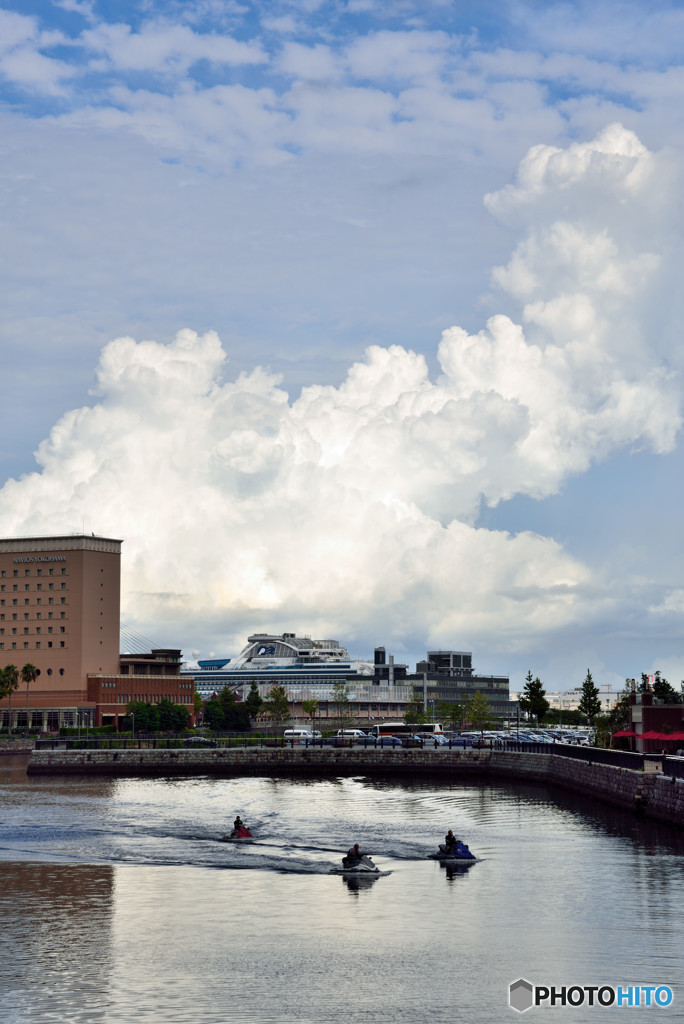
pixel 653 735
pixel 624 732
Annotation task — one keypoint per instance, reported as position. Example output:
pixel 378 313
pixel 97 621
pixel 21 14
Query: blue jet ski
pixel 458 854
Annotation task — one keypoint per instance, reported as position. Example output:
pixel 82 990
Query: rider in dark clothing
pixel 353 857
pixel 450 842
pixel 238 824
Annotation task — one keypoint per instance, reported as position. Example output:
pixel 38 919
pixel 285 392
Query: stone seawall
pixel 655 796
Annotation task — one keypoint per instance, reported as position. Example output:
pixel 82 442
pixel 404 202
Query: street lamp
pixel 132 725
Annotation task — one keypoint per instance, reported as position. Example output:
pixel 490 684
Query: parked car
pixel 388 741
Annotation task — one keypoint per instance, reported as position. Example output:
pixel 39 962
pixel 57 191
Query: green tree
pixel 310 708
pixel 533 701
pixel 212 716
pixel 28 674
pixel 450 714
pixel 146 716
pixel 662 690
pixel 340 698
pixel 235 713
pixel 277 706
pixel 414 713
pixel 172 717
pixel 590 702
pixel 10 684
pixel 619 717
pixel 254 702
pixel 479 712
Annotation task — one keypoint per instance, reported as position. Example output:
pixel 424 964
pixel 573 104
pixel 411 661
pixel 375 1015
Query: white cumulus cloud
pixel 242 506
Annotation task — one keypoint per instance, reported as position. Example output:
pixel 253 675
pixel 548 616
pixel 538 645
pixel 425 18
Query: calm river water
pixel 119 904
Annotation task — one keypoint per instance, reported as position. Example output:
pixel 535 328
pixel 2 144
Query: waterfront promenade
pixel 649 793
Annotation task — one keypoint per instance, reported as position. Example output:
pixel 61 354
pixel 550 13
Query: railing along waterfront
pixel 674 767
pixel 596 755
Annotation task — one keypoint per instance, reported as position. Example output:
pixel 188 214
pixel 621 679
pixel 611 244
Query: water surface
pixel 120 904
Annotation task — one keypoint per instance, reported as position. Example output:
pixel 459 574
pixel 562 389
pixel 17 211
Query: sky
pixel 358 319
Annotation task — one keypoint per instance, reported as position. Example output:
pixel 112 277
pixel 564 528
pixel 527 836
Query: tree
pixel 28 675
pixel 534 702
pixel 172 717
pixel 590 702
pixel 662 690
pixel 212 716
pixel 254 701
pixel 340 698
pixel 450 714
pixel 235 713
pixel 310 708
pixel 414 713
pixel 277 706
pixel 479 712
pixel 145 716
pixel 10 684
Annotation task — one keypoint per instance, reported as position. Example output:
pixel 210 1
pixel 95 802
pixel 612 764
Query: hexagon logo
pixel 521 995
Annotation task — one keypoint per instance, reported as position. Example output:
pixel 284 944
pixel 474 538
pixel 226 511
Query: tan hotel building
pixel 60 611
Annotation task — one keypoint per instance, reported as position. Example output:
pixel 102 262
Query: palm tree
pixel 11 682
pixel 28 676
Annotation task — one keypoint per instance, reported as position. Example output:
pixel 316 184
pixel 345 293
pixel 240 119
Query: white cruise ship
pixel 285 660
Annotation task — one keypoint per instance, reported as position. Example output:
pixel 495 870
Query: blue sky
pixel 360 319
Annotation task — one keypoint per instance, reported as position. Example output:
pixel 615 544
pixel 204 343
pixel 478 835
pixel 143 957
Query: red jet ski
pixel 238 835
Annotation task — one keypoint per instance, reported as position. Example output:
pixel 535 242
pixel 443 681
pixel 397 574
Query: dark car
pixel 389 741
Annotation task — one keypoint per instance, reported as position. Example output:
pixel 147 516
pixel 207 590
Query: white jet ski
pixel 361 865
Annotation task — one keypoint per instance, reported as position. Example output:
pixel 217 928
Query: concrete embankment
pixel 655 796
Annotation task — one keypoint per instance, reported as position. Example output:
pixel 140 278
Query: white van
pixel 298 735
pixel 351 734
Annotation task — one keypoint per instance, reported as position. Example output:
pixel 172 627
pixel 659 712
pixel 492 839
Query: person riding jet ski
pixel 353 856
pixel 450 841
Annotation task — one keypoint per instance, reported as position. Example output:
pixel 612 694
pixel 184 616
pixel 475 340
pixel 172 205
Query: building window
pixel 26 646
pixel 27 572
pixel 49 629
pixel 61 643
pixel 40 572
pixel 38 615
pixel 27 586
pixel 14 631
pixel 63 572
pixel 39 586
pixel 14 647
pixel 38 645
pixel 62 615
pixel 49 615
pixel 25 630
pixel 26 615
pixel 63 600
pixel 26 601
pixel 15 587
pixel 49 643
pixel 51 586
pixel 38 630
pixel 62 629
pixel 64 586
pixel 52 572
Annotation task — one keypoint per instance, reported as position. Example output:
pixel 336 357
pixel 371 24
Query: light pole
pixel 132 725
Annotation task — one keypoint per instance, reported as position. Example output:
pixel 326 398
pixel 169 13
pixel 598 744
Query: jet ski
pixel 362 865
pixel 460 854
pixel 238 835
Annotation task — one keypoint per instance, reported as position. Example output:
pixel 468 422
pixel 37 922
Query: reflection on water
pixel 119 902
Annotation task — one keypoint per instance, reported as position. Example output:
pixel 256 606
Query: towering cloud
pixel 353 510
